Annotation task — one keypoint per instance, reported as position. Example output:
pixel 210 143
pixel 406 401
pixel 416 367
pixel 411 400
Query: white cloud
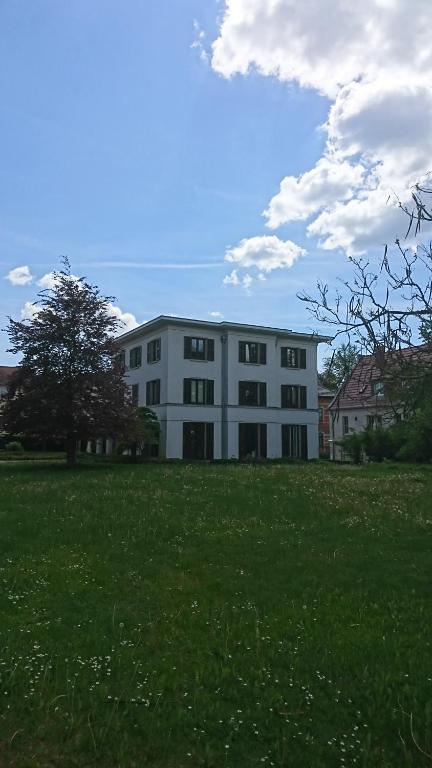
pixel 198 42
pixel 20 276
pixel 266 253
pixel 216 315
pixel 29 311
pixel 127 319
pixel 233 279
pixel 379 129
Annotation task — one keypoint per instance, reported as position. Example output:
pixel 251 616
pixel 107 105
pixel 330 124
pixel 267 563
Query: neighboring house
pixel 226 390
pixel 325 397
pixel 363 399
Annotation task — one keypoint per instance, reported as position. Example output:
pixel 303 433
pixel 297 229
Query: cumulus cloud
pixel 233 279
pixel 266 253
pixel 127 319
pixel 216 315
pixel 379 128
pixel 29 311
pixel 20 276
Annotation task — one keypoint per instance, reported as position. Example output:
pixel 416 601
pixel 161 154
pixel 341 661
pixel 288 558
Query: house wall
pixel 357 422
pixel 225 414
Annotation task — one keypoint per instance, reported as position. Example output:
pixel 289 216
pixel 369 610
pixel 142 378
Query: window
pixel 345 425
pixel 198 440
pixel 253 393
pixel 135 357
pixel 252 441
pixel 252 352
pixel 121 359
pixel 294 441
pixel 154 351
pixel 293 357
pixel 198 349
pixel 153 392
pixel 321 414
pixel 135 395
pixel 198 391
pixel 378 388
pixel 293 396
pixel 373 421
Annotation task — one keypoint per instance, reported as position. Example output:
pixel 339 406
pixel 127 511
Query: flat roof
pixel 223 325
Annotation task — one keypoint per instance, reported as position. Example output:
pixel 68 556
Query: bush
pixel 353 445
pixel 14 447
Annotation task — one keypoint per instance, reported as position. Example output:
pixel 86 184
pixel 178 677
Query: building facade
pixel 325 397
pixel 226 390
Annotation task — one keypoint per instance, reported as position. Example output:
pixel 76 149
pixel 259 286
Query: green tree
pixel 69 383
pixel 338 366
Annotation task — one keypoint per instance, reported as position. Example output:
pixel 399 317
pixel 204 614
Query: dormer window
pixel 378 388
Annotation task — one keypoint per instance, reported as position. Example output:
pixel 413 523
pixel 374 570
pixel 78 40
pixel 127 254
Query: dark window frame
pixel 252 352
pixel 154 350
pixel 191 387
pixel 294 396
pixel 293 358
pixel 135 357
pixel 153 392
pixel 294 441
pixel 192 351
pixel 135 395
pixel 261 394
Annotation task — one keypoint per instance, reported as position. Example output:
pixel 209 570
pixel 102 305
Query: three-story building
pixel 226 390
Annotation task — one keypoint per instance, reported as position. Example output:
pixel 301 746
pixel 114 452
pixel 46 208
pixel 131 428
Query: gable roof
pixel 358 390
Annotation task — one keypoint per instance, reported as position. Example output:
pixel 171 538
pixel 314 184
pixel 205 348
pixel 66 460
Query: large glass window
pixel 293 357
pixel 253 393
pixel 197 348
pixel 198 440
pixel 135 357
pixel 294 441
pixel 252 441
pixel 293 396
pixel 153 351
pixel 198 391
pixel 252 352
pixel 153 392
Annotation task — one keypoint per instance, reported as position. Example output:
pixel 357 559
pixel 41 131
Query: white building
pixel 226 390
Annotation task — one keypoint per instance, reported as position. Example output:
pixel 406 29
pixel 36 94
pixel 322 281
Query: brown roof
pixel 5 372
pixel 358 390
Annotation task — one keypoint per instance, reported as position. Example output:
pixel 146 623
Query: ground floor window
pixel 198 440
pixel 252 441
pixel 294 441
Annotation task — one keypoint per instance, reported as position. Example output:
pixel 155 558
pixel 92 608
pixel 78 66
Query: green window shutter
pixel 186 391
pixel 148 351
pixel 262 393
pixel 210 349
pixel 283 396
pixel 187 347
pixel 242 351
pixel 302 358
pixel 157 393
pixel 284 360
pixel 303 397
pixel 148 393
pixel 263 354
pixel 210 392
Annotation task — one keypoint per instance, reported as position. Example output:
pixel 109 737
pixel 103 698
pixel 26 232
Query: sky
pixel 206 159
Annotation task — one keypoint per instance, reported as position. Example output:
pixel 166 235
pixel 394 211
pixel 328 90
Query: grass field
pixel 219 616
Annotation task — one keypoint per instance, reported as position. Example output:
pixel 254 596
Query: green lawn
pixel 219 616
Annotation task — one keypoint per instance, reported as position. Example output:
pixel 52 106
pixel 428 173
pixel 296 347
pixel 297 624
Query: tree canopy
pixel 69 384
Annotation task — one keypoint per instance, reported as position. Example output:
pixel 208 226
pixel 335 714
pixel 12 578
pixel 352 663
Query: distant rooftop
pixel 165 320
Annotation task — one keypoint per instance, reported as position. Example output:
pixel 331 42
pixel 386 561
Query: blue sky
pixel 143 159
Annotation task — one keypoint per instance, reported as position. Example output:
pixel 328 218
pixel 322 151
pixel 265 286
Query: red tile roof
pixel 357 390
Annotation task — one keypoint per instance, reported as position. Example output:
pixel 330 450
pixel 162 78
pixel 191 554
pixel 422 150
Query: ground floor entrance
pixel 252 441
pixel 198 440
pixel 294 441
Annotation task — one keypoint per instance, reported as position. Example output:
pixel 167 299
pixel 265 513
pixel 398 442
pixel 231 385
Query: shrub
pixel 353 445
pixel 14 447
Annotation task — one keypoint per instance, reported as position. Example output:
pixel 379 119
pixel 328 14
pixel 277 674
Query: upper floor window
pixel 378 388
pixel 293 357
pixel 135 395
pixel 121 359
pixel 153 392
pixel 321 414
pixel 252 393
pixel 197 348
pixel 293 396
pixel 154 351
pixel 198 391
pixel 135 357
pixel 252 352
pixel 345 425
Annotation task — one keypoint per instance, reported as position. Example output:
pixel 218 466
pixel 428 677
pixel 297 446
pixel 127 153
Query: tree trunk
pixel 71 450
